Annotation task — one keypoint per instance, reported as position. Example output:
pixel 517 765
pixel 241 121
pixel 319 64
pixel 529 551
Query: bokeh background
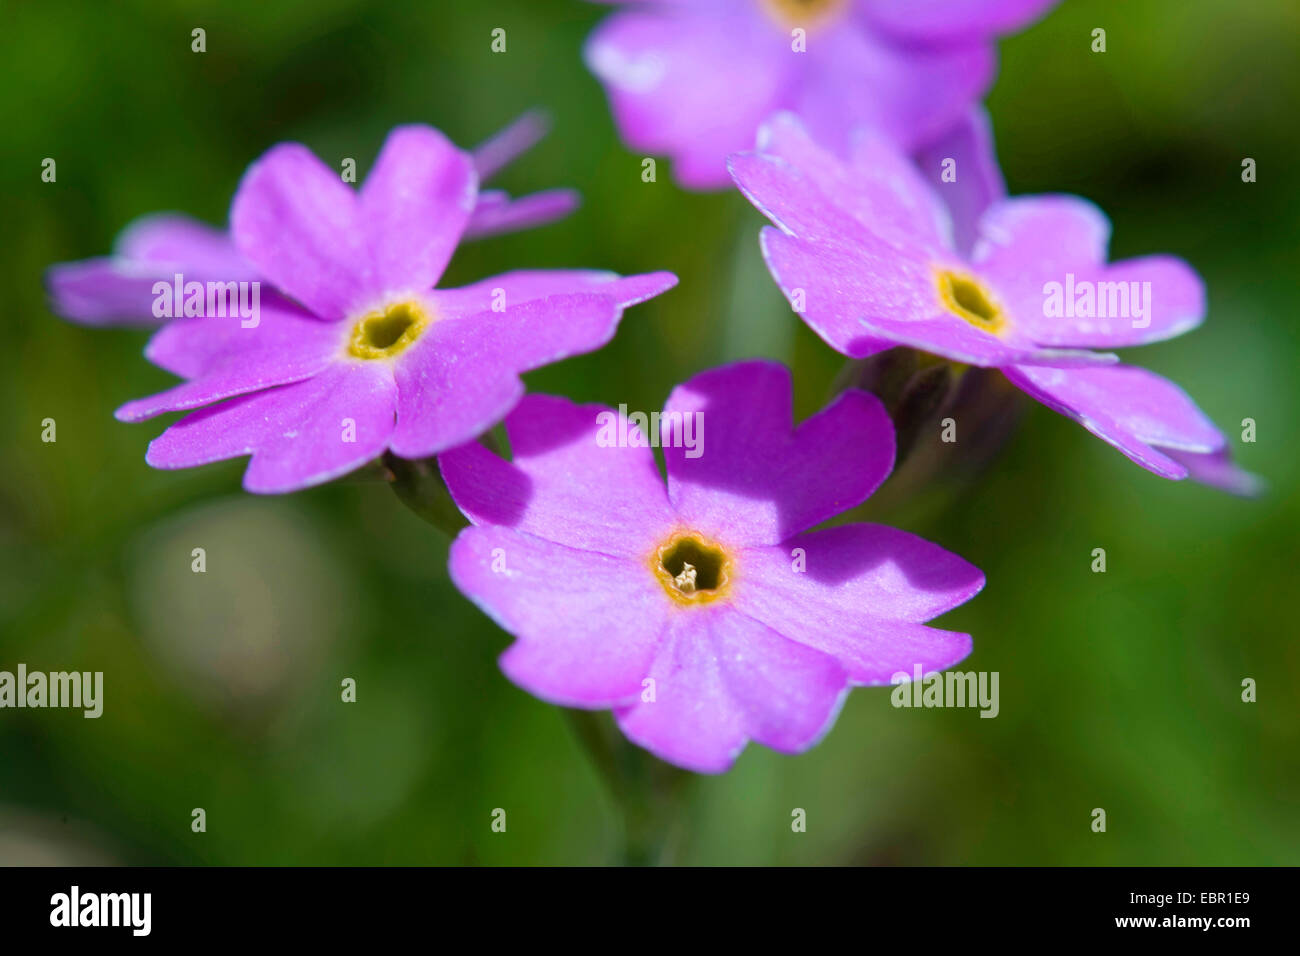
pixel 1118 690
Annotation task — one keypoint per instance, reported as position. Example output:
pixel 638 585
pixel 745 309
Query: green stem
pixel 420 487
pixel 649 792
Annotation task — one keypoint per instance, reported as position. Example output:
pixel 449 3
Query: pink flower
pixel 118 289
pixel 694 78
pixel 864 251
pixel 356 353
pixel 705 614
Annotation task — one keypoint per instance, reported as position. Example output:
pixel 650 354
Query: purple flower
pixel 705 614
pixel 695 78
pixel 865 254
pixel 118 289
pixel 368 356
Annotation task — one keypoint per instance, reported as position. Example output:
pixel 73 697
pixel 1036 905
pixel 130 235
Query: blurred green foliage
pixel 1119 691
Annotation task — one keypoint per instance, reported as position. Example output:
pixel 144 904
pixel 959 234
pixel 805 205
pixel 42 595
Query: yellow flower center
pixel 692 569
pixel 802 13
pixel 965 298
pixel 382 335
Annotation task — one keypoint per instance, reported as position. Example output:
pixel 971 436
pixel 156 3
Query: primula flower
pixel 118 289
pixel 705 614
pixel 864 253
pixel 694 78
pixel 369 356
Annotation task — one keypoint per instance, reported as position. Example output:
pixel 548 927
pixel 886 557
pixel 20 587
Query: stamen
pixel 382 335
pixel 965 298
pixel 691 569
pixel 686 580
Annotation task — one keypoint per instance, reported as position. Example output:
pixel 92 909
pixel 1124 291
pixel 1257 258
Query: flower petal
pixel 497 295
pixel 1053 233
pixel 300 226
pixel 812 194
pixel 721 679
pixel 1035 245
pixel 586 625
pixel 671 77
pixel 1127 407
pixel 496 213
pixel 855 78
pixel 1218 470
pixel 415 204
pixel 866 300
pixel 943 21
pixel 223 358
pixel 754 477
pixel 833 288
pixel 299 435
pixel 564 484
pixel 961 342
pixel 503 147
pixel 104 291
pixel 859 593
pixel 978 181
pixel 154 248
pixel 1166 291
pixel 462 376
pixel 198 250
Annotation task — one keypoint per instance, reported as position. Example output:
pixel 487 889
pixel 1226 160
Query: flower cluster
pixel 710 609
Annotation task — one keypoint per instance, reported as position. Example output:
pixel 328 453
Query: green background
pixel 1118 690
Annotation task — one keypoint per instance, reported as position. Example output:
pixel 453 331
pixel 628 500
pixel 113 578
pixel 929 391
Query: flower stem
pixel 649 792
pixel 949 422
pixel 420 487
